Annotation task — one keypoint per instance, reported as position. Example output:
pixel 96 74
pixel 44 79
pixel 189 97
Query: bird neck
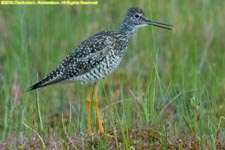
pixel 127 30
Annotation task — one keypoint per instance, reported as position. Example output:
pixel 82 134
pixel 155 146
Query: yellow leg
pixel 95 101
pixel 88 102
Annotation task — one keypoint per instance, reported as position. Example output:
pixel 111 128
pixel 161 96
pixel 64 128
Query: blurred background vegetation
pixel 173 79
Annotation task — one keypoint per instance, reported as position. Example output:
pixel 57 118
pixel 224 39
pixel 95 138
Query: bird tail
pixel 45 82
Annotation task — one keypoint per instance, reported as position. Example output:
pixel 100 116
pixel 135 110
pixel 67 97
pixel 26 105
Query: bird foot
pixel 89 131
pixel 101 131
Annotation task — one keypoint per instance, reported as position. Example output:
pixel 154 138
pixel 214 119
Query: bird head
pixel 136 18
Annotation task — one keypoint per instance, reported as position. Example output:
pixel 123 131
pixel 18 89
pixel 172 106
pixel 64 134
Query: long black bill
pixel 158 24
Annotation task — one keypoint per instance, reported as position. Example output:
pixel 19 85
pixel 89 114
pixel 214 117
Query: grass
pixel 168 93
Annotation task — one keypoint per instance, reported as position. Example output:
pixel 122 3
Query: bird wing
pixel 81 60
pixel 86 56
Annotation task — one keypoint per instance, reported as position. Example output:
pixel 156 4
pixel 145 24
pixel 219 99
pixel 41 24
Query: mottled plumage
pixel 99 55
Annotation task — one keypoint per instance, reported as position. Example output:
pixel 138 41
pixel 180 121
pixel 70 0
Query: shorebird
pixel 97 57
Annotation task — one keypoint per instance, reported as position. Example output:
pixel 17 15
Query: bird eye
pixel 136 16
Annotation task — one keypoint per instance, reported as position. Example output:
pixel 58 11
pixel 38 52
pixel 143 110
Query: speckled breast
pixel 106 67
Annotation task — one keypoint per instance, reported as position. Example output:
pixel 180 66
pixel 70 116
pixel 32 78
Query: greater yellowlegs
pixel 97 57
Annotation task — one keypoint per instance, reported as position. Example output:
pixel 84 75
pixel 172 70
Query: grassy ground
pixel 168 93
